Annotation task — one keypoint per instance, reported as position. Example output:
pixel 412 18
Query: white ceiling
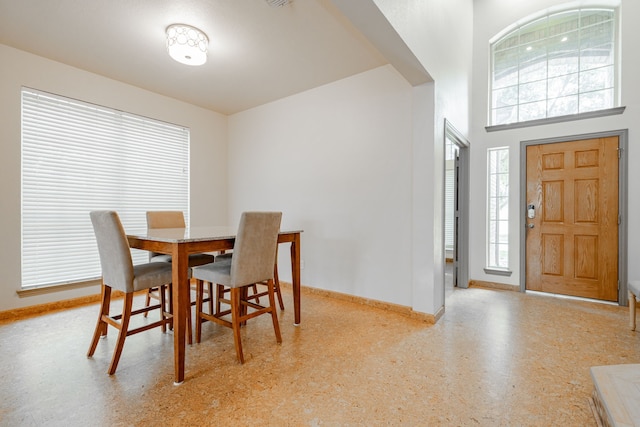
pixel 257 53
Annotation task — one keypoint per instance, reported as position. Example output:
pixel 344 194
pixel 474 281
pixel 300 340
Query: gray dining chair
pixel 226 257
pixel 118 272
pixel 252 264
pixel 172 219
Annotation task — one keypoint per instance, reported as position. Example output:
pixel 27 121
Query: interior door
pixel 572 218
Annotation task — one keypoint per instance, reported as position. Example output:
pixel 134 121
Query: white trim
pixel 557 119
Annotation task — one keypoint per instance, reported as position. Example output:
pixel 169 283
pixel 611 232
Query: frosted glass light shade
pixel 278 3
pixel 187 44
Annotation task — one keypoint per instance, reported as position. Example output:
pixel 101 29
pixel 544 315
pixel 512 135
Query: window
pixel 79 157
pixel 561 64
pixel 498 203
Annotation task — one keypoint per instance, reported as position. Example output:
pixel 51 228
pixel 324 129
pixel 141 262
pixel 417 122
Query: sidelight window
pixel 498 208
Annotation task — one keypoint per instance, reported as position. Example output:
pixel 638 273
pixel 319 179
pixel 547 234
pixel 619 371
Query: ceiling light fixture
pixel 277 3
pixel 187 44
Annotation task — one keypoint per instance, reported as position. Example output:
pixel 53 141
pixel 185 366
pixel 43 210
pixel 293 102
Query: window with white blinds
pixel 78 157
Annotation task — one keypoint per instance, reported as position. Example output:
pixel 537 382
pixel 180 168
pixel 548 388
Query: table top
pixel 191 234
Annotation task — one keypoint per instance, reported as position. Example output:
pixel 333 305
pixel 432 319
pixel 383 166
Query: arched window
pixel 561 64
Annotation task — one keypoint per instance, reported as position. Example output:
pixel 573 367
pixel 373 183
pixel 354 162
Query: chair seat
pixel 217 272
pixel 150 274
pixel 194 259
pixel 227 257
pixel 160 258
pixel 224 257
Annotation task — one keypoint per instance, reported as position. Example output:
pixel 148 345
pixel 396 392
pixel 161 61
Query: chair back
pixel 165 219
pixel 254 251
pixel 113 247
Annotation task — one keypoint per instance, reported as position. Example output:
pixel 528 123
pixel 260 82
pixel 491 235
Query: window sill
pixel 558 119
pixel 41 290
pixel 498 271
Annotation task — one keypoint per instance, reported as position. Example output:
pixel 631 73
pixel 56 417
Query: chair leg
pixel 101 325
pixel 276 282
pixel 189 324
pixel 244 295
pixel 274 315
pixel 235 322
pixel 254 288
pixel 170 296
pixel 147 301
pixel 211 297
pixel 163 303
pixel 632 311
pixel 122 335
pixel 199 298
pixel 219 296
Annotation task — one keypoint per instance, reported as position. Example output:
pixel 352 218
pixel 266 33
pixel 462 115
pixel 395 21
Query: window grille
pixel 561 64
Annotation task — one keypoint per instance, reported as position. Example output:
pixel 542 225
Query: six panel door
pixel 572 239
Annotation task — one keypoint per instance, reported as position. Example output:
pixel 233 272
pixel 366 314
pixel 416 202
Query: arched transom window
pixel 561 64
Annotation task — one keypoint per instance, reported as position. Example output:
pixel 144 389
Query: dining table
pixel 179 243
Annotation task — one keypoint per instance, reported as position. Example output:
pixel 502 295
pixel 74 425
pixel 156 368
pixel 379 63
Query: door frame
pixel 623 140
pixel 462 242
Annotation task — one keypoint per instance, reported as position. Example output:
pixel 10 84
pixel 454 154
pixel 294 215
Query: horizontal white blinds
pixel 78 157
pixel 449 206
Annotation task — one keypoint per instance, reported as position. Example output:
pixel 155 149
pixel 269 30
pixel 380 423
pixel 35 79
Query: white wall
pixel 439 34
pixel 208 151
pixel 337 161
pixel 490 18
pixel 359 164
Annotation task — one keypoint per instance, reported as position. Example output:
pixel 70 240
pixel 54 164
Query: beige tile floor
pixel 496 358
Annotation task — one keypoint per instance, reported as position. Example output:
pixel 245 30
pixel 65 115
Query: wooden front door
pixel 572 218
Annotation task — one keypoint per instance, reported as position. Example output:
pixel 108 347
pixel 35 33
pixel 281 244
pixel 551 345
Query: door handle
pixel 530 225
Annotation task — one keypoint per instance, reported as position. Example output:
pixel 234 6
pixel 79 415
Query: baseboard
pixel 396 308
pixel 493 285
pixel 35 310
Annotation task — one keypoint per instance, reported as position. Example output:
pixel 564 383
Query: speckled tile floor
pixel 496 358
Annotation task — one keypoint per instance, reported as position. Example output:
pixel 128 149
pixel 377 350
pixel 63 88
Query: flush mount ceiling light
pixel 277 3
pixel 187 44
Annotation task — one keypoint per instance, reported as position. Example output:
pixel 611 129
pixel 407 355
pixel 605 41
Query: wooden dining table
pixel 179 243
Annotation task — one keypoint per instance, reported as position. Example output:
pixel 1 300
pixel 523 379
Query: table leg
pixel 181 300
pixel 295 277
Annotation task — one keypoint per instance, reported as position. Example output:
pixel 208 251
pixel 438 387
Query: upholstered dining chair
pixel 171 219
pixel 252 263
pixel 118 272
pixel 226 257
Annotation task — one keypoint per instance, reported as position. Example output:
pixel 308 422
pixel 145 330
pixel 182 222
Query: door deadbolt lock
pixel 530 225
pixel 531 212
